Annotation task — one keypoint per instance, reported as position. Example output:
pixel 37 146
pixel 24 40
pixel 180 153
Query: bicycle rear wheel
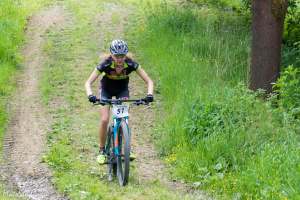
pixel 123 159
pixel 112 163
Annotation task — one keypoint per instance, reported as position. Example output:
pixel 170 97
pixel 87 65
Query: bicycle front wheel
pixel 123 159
pixel 112 164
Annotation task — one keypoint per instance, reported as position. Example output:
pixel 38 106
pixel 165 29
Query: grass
pixel 7 196
pixel 13 19
pixel 215 133
pixel 72 54
pixel 11 34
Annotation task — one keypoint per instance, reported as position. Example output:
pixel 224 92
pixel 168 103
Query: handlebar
pixel 120 101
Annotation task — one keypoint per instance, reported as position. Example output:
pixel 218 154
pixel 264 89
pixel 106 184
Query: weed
pixel 215 132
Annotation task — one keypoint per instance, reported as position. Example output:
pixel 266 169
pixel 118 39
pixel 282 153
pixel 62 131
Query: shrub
pixel 218 135
pixel 240 144
pixel 288 88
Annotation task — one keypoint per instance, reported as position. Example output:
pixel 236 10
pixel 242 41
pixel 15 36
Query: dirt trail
pixel 149 166
pixel 26 136
pixel 25 140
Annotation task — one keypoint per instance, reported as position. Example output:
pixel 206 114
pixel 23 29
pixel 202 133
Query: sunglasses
pixel 120 55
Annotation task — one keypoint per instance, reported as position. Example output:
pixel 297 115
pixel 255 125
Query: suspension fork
pixel 117 124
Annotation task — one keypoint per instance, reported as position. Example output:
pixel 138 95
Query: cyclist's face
pixel 119 59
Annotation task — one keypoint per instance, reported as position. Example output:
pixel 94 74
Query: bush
pixel 292 21
pixel 240 145
pixel 215 134
pixel 291 54
pixel 288 88
pixel 291 35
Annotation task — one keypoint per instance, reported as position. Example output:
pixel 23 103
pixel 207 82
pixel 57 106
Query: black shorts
pixel 106 95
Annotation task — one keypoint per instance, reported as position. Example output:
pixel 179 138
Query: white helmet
pixel 118 47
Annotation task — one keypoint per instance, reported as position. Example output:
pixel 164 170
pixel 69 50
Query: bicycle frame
pixel 117 142
pixel 116 125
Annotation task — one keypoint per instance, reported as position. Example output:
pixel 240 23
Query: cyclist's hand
pixel 92 98
pixel 149 98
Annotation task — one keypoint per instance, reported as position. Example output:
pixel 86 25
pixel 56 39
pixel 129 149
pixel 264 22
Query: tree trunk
pixel 267 28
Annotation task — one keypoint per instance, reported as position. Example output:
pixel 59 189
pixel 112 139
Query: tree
pixel 267 29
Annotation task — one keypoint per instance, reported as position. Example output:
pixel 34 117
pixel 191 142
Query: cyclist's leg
pixel 104 119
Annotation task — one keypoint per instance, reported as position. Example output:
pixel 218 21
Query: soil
pixel 149 166
pixel 25 140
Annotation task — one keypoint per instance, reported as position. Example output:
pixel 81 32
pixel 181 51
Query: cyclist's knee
pixel 104 116
pixel 104 120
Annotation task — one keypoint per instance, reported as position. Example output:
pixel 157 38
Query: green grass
pixel 7 196
pixel 72 55
pixel 215 133
pixel 13 15
pixel 12 23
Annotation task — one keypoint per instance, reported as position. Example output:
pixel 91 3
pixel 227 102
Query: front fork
pixel 116 126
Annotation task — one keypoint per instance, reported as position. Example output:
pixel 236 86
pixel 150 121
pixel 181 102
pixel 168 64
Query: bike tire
pixel 112 164
pixel 123 160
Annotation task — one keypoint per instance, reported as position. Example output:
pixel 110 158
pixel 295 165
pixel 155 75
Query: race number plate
pixel 120 111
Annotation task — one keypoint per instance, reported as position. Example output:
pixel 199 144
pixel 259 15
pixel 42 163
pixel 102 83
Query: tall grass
pixel 12 22
pixel 13 15
pixel 191 53
pixel 216 133
pixel 13 19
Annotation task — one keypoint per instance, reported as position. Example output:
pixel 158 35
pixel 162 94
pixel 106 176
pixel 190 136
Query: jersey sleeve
pixel 104 65
pixel 132 64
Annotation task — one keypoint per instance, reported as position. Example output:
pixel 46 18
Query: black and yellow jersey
pixel 112 82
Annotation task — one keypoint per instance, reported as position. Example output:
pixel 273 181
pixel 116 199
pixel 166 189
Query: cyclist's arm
pixel 88 84
pixel 147 79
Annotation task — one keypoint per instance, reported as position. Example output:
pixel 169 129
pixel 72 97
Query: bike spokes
pixel 112 163
pixel 123 158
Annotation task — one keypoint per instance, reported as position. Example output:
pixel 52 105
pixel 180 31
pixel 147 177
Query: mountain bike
pixel 117 147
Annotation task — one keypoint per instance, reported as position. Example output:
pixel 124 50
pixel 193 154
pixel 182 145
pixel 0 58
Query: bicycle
pixel 117 147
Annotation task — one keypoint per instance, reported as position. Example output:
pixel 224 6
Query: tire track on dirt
pixel 25 140
pixel 149 166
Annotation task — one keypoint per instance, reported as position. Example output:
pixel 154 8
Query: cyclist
pixel 113 72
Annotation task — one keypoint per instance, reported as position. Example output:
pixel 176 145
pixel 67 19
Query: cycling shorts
pixel 106 95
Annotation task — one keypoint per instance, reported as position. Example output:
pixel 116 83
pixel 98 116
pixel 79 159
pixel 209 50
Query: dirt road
pixel 25 141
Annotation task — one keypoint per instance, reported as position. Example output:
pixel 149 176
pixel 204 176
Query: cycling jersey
pixel 112 82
